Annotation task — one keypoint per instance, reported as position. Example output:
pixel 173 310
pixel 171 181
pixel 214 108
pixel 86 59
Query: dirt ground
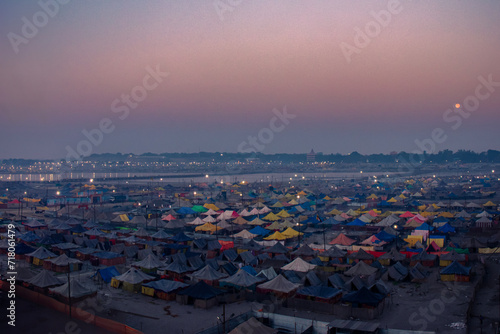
pixel 487 302
pixel 33 318
pixel 149 314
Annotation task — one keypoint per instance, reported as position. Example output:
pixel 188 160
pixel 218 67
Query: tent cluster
pixel 315 246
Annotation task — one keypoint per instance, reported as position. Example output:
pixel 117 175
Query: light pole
pixel 298 229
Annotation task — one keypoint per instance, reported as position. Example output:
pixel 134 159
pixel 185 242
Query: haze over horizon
pixel 226 76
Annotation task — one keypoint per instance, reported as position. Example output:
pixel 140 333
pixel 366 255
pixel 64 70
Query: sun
pixel 457 105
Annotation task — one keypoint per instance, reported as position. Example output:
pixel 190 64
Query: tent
pixel 242 279
pixel 455 272
pixel 76 290
pixel 320 293
pixel 252 325
pixel 299 265
pixel 163 289
pixel 279 285
pixel 276 236
pixel 131 280
pixel 62 264
pixel 361 269
pixel 37 257
pixel 291 233
pixel 149 264
pixel 45 279
pixel 107 274
pixel 208 274
pixel 201 295
pixel 363 297
pixel 342 240
pixel 245 235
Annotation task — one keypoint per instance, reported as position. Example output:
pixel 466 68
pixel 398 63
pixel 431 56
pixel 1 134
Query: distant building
pixel 311 156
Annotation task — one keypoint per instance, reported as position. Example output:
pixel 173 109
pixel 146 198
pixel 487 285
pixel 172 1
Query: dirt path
pixel 487 302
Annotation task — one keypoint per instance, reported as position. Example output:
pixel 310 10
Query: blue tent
pixel 331 221
pixel 424 227
pixel 181 237
pixel 324 292
pixel 186 211
pixel 446 228
pixel 384 236
pixel 310 220
pixel 201 290
pixel 384 204
pixel 356 222
pixel 456 268
pixel 259 231
pixel 441 220
pixel 22 249
pixel 107 273
pixel 30 237
pixel 250 270
pixel 363 296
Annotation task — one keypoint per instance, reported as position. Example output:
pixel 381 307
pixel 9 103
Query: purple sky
pixel 226 76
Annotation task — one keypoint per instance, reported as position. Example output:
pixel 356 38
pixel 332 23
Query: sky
pixel 188 76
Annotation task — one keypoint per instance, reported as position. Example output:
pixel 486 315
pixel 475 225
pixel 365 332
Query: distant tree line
pixel 445 156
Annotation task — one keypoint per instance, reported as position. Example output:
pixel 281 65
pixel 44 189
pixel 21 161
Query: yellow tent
pixel 402 196
pixel 301 193
pixel 489 203
pixel 422 207
pixel 211 206
pixel 293 202
pixel 291 233
pixel 427 214
pixel 276 236
pixel 277 205
pixel 271 217
pixel 413 239
pixel 372 196
pixel 334 212
pixel 207 227
pixel 283 214
pixel 385 214
pixel 446 214
pixel 327 198
pixel 32 200
pixel 353 213
pixel 392 200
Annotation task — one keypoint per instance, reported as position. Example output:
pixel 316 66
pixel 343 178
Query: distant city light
pixel 457 105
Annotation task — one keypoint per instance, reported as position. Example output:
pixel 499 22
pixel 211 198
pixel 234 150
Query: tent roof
pixel 361 268
pixel 166 285
pixel 45 279
pixel 280 284
pixel 201 290
pixel 363 296
pixel 456 268
pixel 299 265
pixel 208 273
pixel 252 325
pixel 242 278
pixel 134 276
pixel 343 240
pixel 77 289
pixel 42 253
pixel 150 262
pixel 319 291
